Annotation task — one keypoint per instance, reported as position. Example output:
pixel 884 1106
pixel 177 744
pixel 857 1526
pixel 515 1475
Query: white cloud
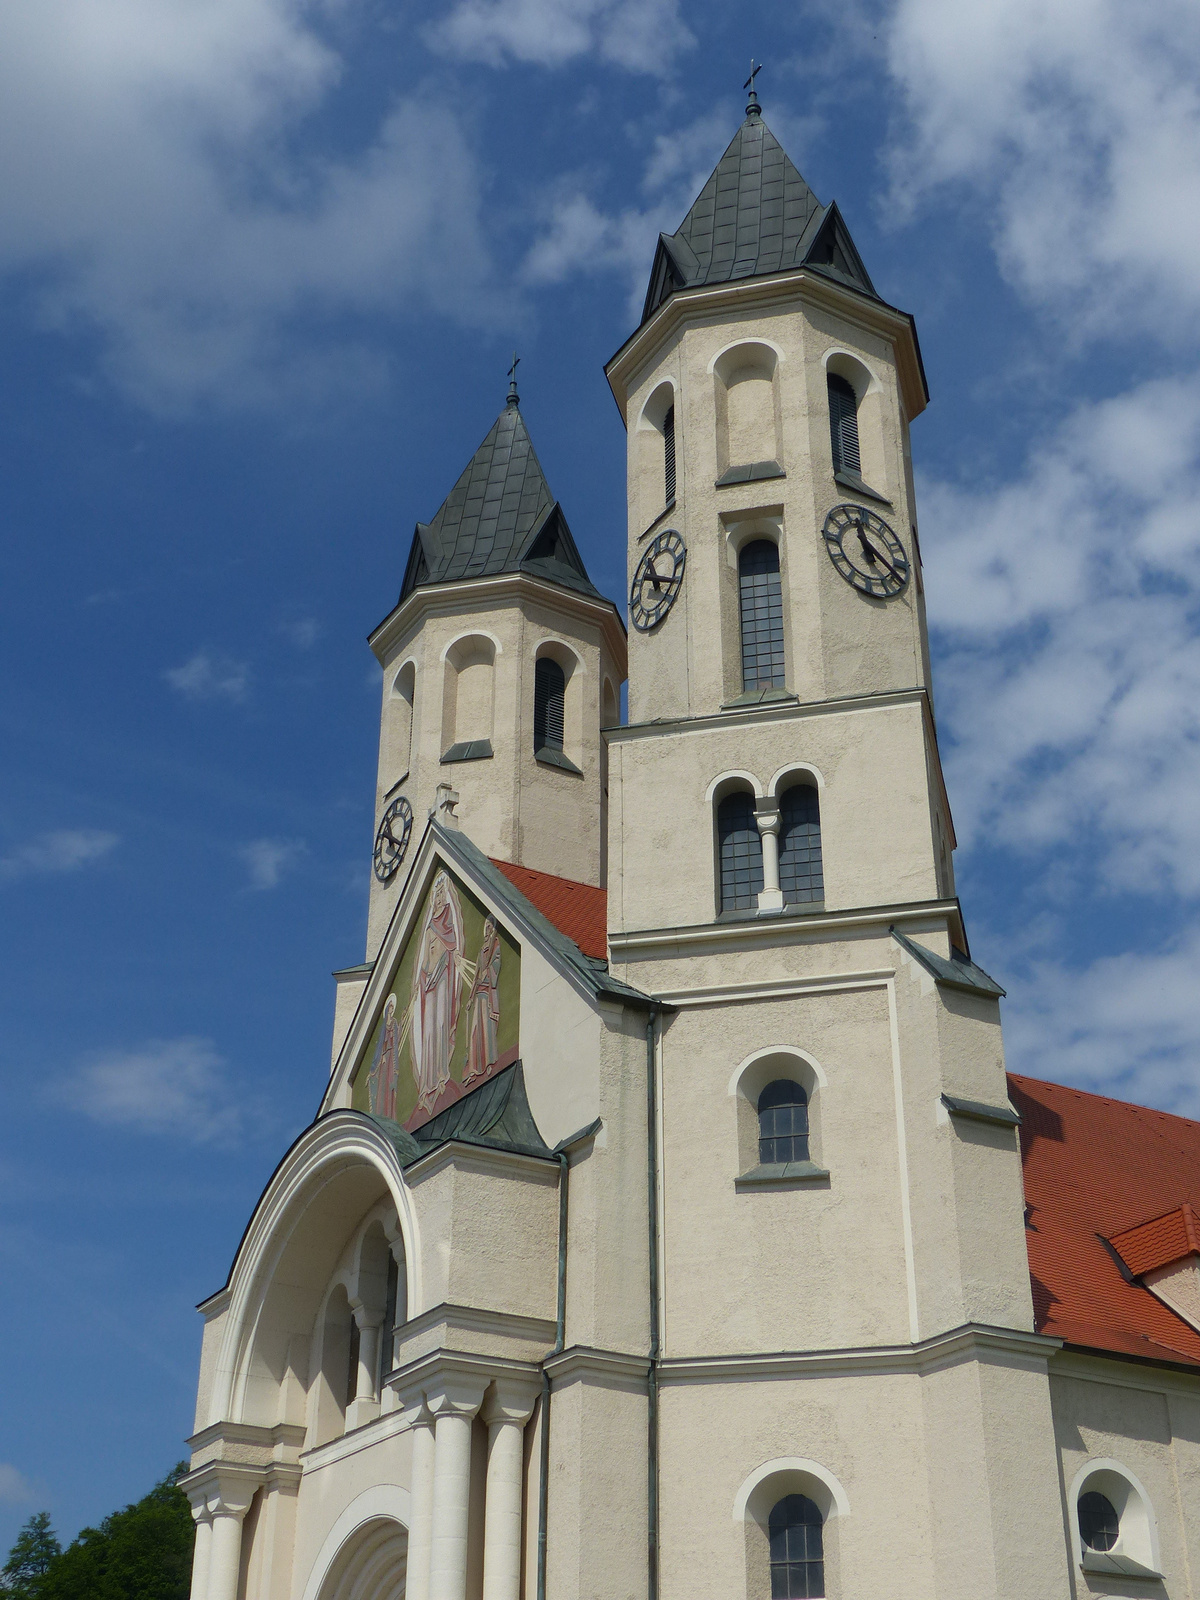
pixel 303 632
pixel 1077 123
pixel 642 35
pixel 268 859
pixel 174 1086
pixel 15 1488
pixel 158 179
pixel 209 677
pixel 60 850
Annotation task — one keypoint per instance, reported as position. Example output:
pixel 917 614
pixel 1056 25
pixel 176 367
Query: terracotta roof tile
pixel 577 909
pixel 1096 1169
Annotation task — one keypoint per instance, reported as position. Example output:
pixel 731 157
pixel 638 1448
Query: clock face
pixel 865 551
pixel 392 839
pixel 657 581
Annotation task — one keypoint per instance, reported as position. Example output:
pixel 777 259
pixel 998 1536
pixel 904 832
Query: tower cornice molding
pixel 624 369
pixel 471 596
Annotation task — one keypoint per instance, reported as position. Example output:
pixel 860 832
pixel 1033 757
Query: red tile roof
pixel 577 909
pixel 1160 1241
pixel 1096 1169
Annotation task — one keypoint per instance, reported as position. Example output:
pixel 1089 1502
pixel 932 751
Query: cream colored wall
pixel 841 642
pixel 513 807
pixel 877 811
pixel 333 1479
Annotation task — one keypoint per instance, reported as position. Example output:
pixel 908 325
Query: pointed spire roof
pixel 499 517
pixel 755 215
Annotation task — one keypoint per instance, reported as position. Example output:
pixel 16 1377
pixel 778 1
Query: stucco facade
pixel 536 1308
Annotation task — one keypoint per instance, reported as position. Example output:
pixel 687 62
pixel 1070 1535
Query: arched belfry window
pixel 800 875
pixel 549 704
pixel 668 429
pixel 782 1123
pixel 761 601
pixel 739 847
pixel 797 1549
pixel 843 425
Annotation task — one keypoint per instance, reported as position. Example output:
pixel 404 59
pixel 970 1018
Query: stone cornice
pixel 771 711
pixel 640 944
pixel 473 595
pixel 970 1342
pixel 585 1361
pixel 440 1365
pixel 469 1157
pixel 753 294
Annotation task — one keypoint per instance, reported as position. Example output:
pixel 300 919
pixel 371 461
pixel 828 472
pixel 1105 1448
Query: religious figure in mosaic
pixel 385 1069
pixel 483 1007
pixel 439 975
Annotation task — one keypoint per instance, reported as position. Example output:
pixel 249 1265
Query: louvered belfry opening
pixel 549 703
pixel 843 425
pixel 761 599
pixel 669 455
pixel 740 849
pixel 800 874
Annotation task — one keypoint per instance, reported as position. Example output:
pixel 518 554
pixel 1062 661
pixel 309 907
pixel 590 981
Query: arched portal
pixel 370 1565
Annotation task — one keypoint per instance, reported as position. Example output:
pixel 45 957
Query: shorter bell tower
pixel 501 664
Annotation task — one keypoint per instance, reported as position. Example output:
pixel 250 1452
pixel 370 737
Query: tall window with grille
pixel 760 596
pixel 843 425
pixel 549 704
pixel 797 1549
pixel 669 456
pixel 800 873
pixel 739 849
pixel 782 1123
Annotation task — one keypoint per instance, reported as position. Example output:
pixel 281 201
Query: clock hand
pixel 874 555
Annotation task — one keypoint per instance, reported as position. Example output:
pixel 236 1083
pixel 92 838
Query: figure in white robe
pixel 440 971
pixel 483 1007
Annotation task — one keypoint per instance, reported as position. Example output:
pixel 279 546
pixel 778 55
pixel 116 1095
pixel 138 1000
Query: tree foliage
pixel 141 1553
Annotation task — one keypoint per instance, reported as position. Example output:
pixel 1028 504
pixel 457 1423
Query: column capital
pixel 510 1400
pixel 455 1394
pixel 766 815
pixel 221 1489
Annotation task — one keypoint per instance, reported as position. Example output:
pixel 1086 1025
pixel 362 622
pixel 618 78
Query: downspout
pixel 652 1260
pixel 560 1331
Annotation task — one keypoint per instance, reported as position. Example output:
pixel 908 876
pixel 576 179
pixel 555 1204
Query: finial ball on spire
pixel 514 398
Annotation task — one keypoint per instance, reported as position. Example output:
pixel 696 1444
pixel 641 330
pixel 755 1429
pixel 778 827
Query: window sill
pixel 784 1175
pixel 547 757
pixel 1115 1565
pixel 665 512
pixel 752 472
pixel 759 697
pixel 396 785
pixel 469 750
pixel 977 1111
pixel 851 480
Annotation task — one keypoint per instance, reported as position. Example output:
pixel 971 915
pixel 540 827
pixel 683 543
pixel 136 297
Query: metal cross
pixel 755 69
pixel 512 380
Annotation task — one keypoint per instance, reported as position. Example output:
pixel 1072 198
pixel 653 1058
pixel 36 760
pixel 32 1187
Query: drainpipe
pixel 560 1331
pixel 652 1259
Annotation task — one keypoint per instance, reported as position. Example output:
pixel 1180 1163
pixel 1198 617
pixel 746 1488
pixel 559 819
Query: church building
pixel 669 1228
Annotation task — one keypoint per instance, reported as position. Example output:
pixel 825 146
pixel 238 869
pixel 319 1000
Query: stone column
pixel 507 1410
pixel 453 1403
pixel 420 1533
pixel 228 1505
pixel 766 814
pixel 201 1550
pixel 364 1407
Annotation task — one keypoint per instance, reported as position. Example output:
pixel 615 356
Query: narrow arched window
pixel 797 1550
pixel 669 455
pixel 800 875
pixel 740 851
pixel 761 599
pixel 843 425
pixel 549 700
pixel 354 1348
pixel 1099 1524
pixel 782 1123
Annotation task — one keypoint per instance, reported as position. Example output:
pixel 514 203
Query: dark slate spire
pixel 499 517
pixel 755 215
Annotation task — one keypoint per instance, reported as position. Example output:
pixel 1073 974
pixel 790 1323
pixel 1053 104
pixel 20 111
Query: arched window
pixel 761 599
pixel 782 1123
pixel 800 876
pixel 1099 1524
pixel 549 702
pixel 797 1553
pixel 668 429
pixel 843 425
pixel 740 848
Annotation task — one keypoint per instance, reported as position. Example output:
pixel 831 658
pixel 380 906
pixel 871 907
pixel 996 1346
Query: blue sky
pixel 264 262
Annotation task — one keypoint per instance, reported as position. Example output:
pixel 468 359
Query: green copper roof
pixel 499 517
pixel 496 1114
pixel 755 215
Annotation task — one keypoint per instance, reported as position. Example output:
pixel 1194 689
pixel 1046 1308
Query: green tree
pixel 141 1553
pixel 30 1559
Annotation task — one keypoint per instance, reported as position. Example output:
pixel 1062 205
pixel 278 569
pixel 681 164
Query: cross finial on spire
pixel 514 398
pixel 753 109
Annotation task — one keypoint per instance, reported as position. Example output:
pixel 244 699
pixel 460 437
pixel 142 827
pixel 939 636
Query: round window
pixel 1099 1524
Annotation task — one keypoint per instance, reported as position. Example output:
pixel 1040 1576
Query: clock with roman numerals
pixel 866 551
